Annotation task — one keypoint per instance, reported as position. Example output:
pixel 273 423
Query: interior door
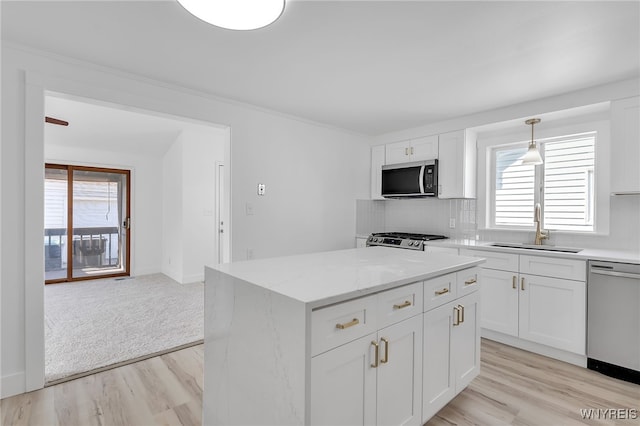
pixel 89 220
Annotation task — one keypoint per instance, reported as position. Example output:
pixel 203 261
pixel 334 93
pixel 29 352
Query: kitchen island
pixel 359 336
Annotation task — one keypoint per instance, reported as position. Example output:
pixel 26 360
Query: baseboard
pixel 195 278
pixel 559 354
pixel 146 271
pixel 12 384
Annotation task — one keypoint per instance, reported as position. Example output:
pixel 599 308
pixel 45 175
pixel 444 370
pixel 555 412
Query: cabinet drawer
pixel 338 324
pixel 494 259
pixel 439 290
pixel 553 267
pixel 467 280
pixel 399 303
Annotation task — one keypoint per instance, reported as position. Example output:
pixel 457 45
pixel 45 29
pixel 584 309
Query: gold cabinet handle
pixel 441 292
pixel 351 323
pixel 456 316
pixel 411 150
pixel 403 305
pixel 377 354
pixel 461 312
pixel 514 282
pixel 406 151
pixel 471 281
pixel 386 351
pixel 522 283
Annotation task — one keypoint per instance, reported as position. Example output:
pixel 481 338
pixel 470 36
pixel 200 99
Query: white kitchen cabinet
pixel 419 149
pixel 553 312
pixel 343 385
pixel 553 267
pixel 399 388
pixel 377 161
pixel 451 352
pixel 303 354
pixel 466 341
pixel 439 290
pixel 534 298
pixel 625 146
pixel 457 165
pixel 467 281
pixel 500 301
pixel 371 380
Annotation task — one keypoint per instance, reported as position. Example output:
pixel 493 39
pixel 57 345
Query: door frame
pixel 37 88
pixel 70 168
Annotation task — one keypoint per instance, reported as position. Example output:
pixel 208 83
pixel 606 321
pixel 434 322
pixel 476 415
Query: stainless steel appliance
pixel 613 319
pixel 410 180
pixel 401 240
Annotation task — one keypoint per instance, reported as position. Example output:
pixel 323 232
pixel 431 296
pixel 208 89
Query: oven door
pixel 404 180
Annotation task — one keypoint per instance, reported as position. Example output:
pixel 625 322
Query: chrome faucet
pixel 540 234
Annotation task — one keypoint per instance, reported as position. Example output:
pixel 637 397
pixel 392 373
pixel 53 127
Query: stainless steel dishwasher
pixel 613 319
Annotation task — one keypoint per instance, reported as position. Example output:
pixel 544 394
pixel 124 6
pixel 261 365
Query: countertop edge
pixel 608 255
pixel 332 300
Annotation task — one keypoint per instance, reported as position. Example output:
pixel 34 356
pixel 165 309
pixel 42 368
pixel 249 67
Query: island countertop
pixel 319 279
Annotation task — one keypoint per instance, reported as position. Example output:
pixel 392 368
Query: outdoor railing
pixel 89 246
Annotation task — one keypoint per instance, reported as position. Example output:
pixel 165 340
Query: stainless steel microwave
pixel 410 180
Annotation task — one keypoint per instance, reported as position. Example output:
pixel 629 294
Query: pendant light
pixel 235 14
pixel 533 155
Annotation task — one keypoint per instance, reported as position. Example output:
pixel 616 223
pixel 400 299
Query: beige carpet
pixel 90 325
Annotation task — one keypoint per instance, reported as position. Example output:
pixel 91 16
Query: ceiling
pixel 371 67
pixel 113 129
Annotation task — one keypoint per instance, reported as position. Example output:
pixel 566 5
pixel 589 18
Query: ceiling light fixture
pixel 235 14
pixel 532 156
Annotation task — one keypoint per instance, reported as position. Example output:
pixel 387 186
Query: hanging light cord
pixel 108 200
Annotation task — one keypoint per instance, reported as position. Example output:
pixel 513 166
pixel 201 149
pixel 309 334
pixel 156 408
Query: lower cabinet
pixel 553 312
pixel 451 352
pixel 388 363
pixel 537 299
pixel 500 293
pixel 343 385
pixel 398 356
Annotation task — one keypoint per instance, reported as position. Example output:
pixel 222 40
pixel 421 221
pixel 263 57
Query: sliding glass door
pixel 87 220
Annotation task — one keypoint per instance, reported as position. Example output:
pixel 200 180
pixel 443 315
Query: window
pixel 563 185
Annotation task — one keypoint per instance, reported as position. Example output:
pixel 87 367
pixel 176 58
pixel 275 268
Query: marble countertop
pixel 609 255
pixel 626 256
pixel 319 279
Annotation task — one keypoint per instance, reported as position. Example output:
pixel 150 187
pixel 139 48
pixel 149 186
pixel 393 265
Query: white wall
pixel 313 175
pixel 189 202
pixel 172 211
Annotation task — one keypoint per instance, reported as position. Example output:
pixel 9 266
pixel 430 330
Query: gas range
pixel 401 240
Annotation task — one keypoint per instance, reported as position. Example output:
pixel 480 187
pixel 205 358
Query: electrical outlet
pixel 249 209
pixel 452 222
pixel 249 254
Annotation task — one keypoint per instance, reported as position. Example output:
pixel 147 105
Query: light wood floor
pixel 514 388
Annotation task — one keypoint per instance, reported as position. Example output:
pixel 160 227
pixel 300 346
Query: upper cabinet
pixel 457 165
pixel 425 148
pixel 625 146
pixel 377 161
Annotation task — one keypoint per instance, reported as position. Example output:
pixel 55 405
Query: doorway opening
pixel 86 223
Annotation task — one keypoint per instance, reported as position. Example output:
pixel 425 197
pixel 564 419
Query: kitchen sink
pixel 535 247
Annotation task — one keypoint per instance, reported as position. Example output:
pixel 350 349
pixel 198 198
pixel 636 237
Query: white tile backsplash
pixel 369 216
pixel 432 216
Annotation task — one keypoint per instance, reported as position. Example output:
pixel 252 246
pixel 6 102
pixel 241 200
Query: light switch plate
pixel 261 188
pixel 452 222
